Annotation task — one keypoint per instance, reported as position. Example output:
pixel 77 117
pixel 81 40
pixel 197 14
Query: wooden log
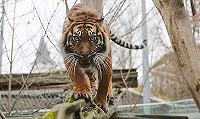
pixel 162 117
pixel 116 116
pixel 72 110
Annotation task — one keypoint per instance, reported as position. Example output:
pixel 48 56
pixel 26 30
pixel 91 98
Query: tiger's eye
pixel 93 38
pixel 75 39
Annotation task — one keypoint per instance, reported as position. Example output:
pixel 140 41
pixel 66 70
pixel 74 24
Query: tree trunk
pixel 94 4
pixel 180 32
pixel 1 34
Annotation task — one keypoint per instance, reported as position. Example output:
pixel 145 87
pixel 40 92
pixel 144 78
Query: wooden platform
pixel 43 84
pixel 60 79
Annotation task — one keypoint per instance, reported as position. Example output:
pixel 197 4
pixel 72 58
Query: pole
pixel 1 36
pixel 146 89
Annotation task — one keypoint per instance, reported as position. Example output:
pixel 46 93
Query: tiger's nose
pixel 85 54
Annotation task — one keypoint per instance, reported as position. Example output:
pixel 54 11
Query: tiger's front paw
pixel 110 100
pixel 78 93
pixel 102 104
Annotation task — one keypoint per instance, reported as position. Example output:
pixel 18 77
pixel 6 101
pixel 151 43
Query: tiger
pixel 85 45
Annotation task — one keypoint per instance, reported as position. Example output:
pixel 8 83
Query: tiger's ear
pixel 70 20
pixel 100 20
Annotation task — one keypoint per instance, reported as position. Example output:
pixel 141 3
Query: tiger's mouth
pixel 86 62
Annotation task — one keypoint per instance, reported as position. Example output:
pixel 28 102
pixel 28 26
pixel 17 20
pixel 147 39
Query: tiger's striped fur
pixel 86 48
pixel 127 45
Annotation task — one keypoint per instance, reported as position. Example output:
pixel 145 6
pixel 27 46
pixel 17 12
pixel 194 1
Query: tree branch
pixel 192 7
pixel 2 115
pixel 71 110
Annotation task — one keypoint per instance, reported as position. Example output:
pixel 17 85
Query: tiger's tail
pixel 127 45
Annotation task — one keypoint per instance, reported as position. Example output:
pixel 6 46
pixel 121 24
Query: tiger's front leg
pixel 105 86
pixel 81 88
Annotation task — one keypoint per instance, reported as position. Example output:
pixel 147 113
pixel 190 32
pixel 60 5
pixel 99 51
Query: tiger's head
pixel 86 42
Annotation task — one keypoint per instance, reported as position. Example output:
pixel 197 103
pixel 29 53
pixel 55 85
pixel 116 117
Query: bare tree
pixel 180 32
pixel 1 35
pixel 195 8
pixel 12 53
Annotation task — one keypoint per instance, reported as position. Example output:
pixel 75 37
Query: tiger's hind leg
pixel 110 97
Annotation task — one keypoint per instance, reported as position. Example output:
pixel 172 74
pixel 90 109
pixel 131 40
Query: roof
pixel 43 62
pixel 43 54
pixel 60 79
pixel 167 65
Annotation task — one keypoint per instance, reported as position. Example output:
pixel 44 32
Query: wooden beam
pixel 60 79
